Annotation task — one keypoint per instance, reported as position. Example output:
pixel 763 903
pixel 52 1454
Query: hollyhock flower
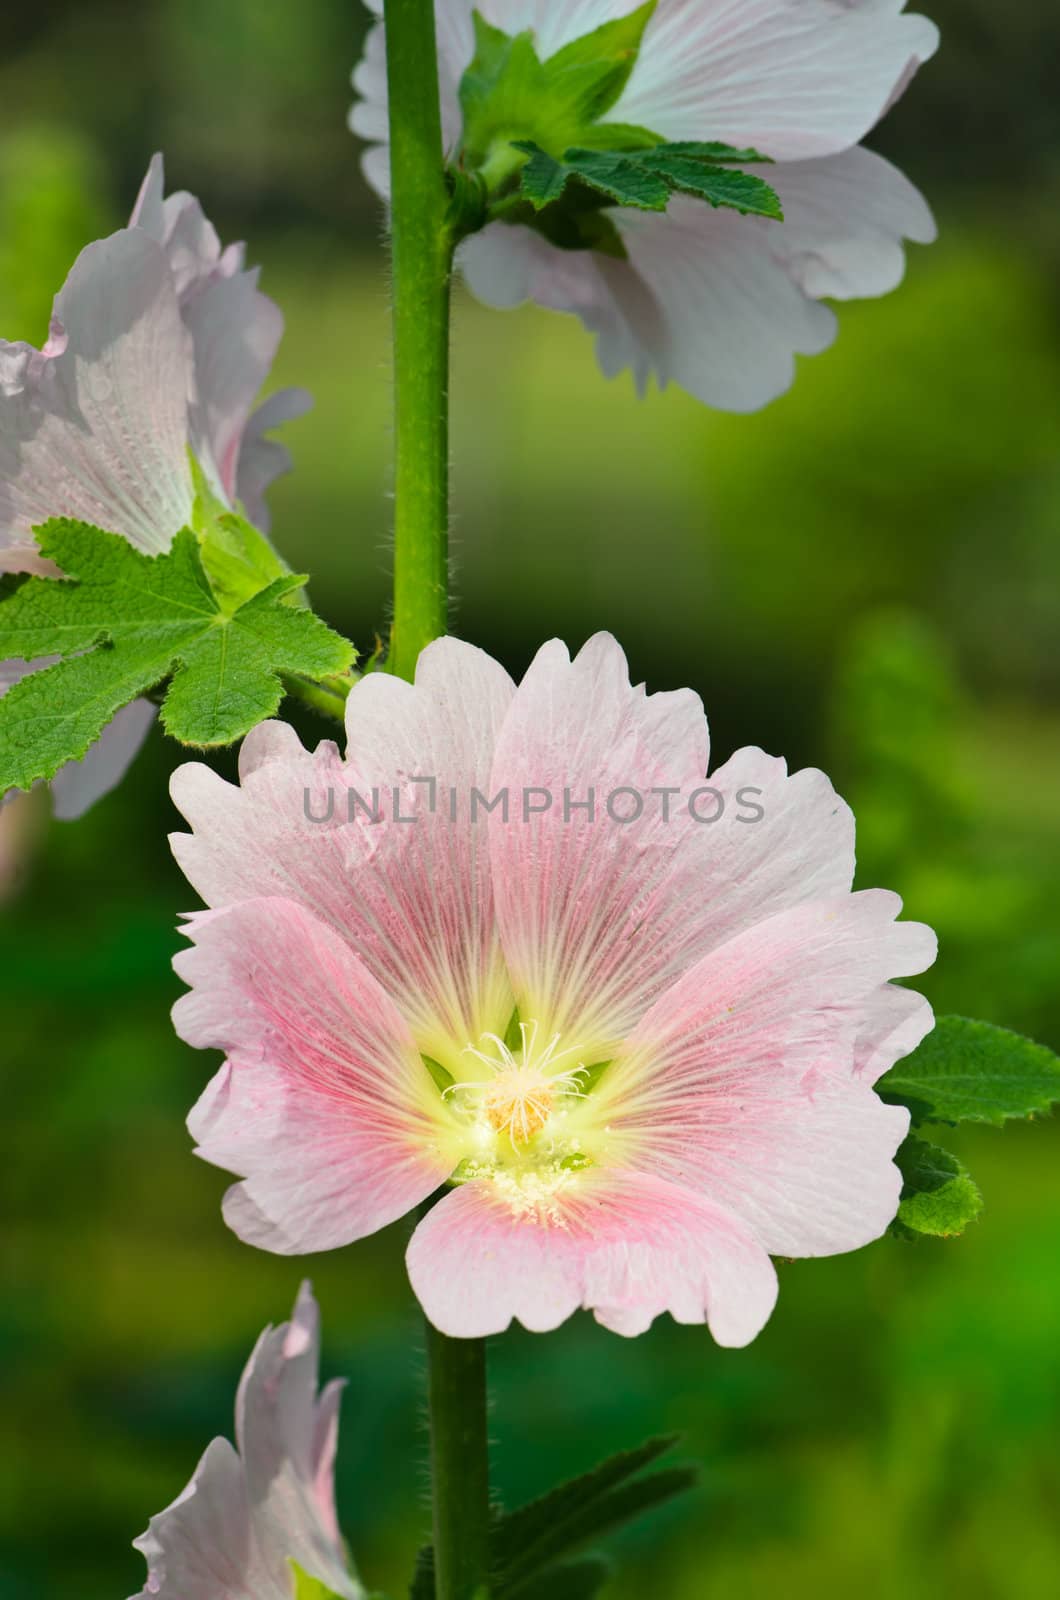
pixel 714 301
pixel 639 1044
pixel 249 1513
pixel 158 345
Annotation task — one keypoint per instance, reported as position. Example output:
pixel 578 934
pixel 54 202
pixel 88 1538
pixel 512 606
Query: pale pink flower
pixel 716 302
pixel 249 1512
pixel 361 975
pixel 158 345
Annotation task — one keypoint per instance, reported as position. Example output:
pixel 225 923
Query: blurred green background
pixel 865 577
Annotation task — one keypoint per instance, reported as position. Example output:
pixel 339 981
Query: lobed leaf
pixel 644 179
pixel 121 623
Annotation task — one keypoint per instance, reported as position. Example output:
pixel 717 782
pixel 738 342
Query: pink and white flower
pixel 641 1052
pixel 159 342
pixel 716 302
pixel 250 1512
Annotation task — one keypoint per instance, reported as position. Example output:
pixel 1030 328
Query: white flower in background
pixel 717 302
pixel 255 1517
pixel 159 343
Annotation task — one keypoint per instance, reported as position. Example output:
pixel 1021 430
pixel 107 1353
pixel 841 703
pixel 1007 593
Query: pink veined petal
pixel 413 898
pixel 625 1245
pixel 286 1435
pixel 893 1023
pixel 203 1545
pixel 599 915
pixel 740 1080
pixel 262 460
pixel 795 78
pixel 576 888
pixel 95 426
pixel 323 1105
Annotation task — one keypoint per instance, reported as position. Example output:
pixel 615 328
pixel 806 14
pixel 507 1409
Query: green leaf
pixel 534 1538
pixel 618 136
pixel 238 560
pixel 738 191
pixel 509 93
pixel 939 1197
pixel 968 1071
pixel 712 151
pixel 443 1079
pixel 543 178
pixel 503 89
pixel 422 1586
pixel 641 178
pixel 616 176
pixel 123 623
pixel 591 72
pixel 623 178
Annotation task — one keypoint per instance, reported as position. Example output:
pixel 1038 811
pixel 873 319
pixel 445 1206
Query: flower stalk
pixel 423 238
pixel 422 244
pixel 459 1465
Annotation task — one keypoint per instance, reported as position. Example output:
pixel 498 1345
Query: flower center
pixel 519 1103
pixel 521 1121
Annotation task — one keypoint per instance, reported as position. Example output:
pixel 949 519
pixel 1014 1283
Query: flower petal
pixel 323 1106
pixel 412 897
pixel 795 80
pixel 286 1438
pixel 718 303
pixel 95 426
pixel 79 784
pixel 599 915
pixel 893 1023
pixel 187 236
pixel 624 1245
pixel 236 331
pixel 740 1080
pixel 846 218
pixel 263 460
pixel 203 1544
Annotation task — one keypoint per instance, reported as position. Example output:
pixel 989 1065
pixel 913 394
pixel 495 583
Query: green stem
pixel 459 1466
pixel 327 697
pixel 423 237
pixel 422 246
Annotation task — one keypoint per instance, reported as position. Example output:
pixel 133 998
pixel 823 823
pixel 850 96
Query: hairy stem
pixel 422 244
pixel 459 1466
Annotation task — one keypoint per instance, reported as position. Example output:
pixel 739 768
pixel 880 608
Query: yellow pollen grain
pixel 518 1102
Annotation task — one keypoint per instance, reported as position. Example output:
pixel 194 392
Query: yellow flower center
pixel 519 1102
pixel 522 1125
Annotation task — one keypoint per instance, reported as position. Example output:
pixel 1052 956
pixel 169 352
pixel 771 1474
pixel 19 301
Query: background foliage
pixel 865 577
